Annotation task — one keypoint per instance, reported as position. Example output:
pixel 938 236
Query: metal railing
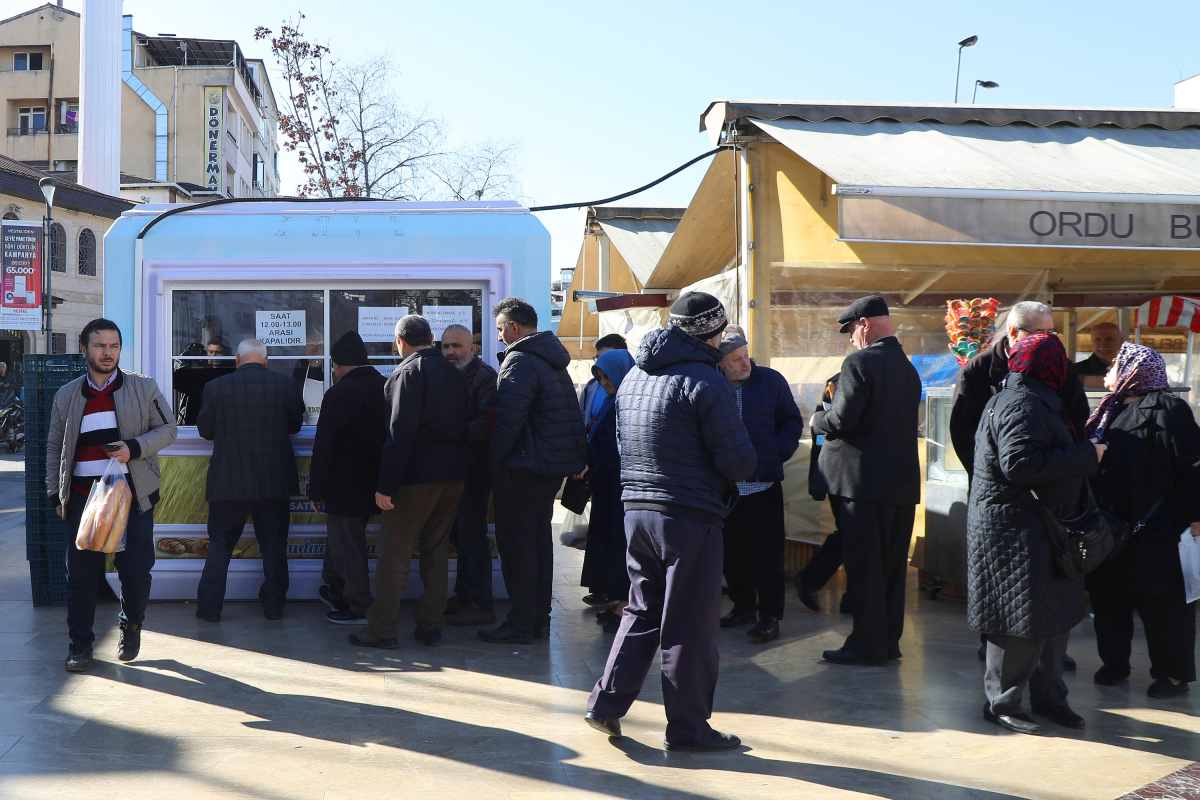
pixel 72 127
pixel 27 131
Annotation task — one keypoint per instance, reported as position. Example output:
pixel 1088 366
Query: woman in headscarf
pixel 1152 473
pixel 1015 596
pixel 604 571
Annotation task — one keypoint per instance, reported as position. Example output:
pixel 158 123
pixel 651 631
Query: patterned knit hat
pixel 699 314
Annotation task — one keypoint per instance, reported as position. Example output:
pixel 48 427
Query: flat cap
pixel 731 342
pixel 871 306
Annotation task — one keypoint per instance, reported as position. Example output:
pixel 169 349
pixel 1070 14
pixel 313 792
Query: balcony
pixel 27 131
pixel 72 127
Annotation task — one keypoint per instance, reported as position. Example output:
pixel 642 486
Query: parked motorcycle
pixel 12 426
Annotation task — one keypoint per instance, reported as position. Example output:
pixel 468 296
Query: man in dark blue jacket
pixel 754 530
pixel 682 447
pixel 537 440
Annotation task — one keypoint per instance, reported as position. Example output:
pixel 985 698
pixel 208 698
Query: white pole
pixel 100 96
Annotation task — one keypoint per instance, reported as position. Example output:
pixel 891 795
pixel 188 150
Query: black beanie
pixel 349 351
pixel 699 314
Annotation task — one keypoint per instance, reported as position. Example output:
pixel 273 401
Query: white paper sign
pixel 280 328
pixel 379 324
pixel 441 316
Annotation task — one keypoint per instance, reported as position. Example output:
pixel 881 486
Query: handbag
pixel 577 492
pixel 1083 540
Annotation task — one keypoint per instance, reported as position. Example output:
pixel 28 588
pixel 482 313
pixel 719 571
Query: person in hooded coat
pixel 1015 595
pixel 1150 474
pixel 604 571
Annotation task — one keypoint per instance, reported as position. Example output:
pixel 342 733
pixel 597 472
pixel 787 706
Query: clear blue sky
pixel 607 96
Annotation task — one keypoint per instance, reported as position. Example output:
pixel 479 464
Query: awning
pixel 640 242
pixel 1169 312
pixel 1059 186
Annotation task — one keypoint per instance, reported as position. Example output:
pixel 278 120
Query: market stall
pixel 297 275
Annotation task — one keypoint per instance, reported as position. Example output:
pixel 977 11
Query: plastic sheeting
pixel 632 323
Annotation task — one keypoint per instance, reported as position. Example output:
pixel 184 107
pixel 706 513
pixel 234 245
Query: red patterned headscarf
pixel 1140 371
pixel 1041 357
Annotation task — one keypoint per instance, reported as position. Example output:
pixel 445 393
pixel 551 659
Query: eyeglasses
pixel 1052 331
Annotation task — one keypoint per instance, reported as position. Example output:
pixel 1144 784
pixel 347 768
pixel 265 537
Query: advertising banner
pixel 214 116
pixel 21 252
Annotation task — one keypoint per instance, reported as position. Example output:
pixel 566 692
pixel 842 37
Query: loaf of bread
pixel 87 526
pixel 123 499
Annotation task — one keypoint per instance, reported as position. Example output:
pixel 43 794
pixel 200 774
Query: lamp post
pixel 48 186
pixel 984 84
pixel 967 42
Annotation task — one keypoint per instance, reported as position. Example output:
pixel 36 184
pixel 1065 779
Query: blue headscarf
pixel 614 364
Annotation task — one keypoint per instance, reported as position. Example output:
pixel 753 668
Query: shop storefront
pixel 297 276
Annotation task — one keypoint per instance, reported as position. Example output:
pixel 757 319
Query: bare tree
pixel 486 170
pixel 391 146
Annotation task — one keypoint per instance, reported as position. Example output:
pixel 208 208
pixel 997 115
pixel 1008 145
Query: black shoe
pixel 764 630
pixel 983 652
pixel 325 594
pixel 455 604
pixel 430 638
pixel 844 656
pixel 1165 689
pixel 1069 663
pixel 79 659
pixel 842 606
pixel 599 600
pixel 207 617
pixel 613 625
pixel 542 632
pixel 895 655
pixel 604 616
pixel 272 615
pixel 1107 676
pixel 1061 715
pixel 1021 723
pixel 717 741
pixel 504 634
pixel 346 617
pixel 130 643
pixel 808 595
pixel 610 727
pixel 738 617
pixel 472 615
pixel 364 639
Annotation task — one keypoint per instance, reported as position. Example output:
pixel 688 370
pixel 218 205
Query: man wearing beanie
pixel 683 446
pixel 342 476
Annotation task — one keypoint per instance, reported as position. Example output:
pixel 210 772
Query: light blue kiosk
pixel 186 284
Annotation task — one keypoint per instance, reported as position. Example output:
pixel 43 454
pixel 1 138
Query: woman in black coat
pixel 1152 472
pixel 1015 596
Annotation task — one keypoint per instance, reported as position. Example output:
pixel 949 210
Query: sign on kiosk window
pixel 280 328
pixel 441 316
pixel 379 324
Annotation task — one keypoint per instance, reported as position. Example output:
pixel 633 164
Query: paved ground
pixel 275 710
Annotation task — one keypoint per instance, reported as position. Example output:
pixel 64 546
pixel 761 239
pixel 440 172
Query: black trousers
pixel 345 570
pixel 674 606
pixel 754 537
pixel 524 506
pixel 1170 626
pixel 226 522
pixel 85 568
pixel 1014 662
pixel 473 572
pixel 875 539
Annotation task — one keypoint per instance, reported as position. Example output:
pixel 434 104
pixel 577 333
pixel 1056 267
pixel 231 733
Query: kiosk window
pixel 373 313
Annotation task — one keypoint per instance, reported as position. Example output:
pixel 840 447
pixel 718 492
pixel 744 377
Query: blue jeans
pixel 84 568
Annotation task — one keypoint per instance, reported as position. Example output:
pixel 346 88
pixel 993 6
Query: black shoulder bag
pixel 1085 539
pixel 577 492
pixel 1123 543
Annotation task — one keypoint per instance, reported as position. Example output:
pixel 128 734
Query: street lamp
pixel 48 186
pixel 984 84
pixel 967 42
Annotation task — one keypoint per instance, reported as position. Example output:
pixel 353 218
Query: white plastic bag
pixel 1189 559
pixel 102 527
pixel 574 529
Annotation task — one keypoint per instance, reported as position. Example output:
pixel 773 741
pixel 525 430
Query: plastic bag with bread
pixel 102 527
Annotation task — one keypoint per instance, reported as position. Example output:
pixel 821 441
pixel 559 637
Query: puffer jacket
pixel 679 433
pixel 1024 442
pixel 772 420
pixel 537 424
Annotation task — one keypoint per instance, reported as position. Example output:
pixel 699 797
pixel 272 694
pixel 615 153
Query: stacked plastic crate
pixel 45 533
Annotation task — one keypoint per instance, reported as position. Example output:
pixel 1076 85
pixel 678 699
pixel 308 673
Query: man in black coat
pixel 421 474
pixel 342 476
pixel 537 440
pixel 870 463
pixel 984 374
pixel 472 600
pixel 248 415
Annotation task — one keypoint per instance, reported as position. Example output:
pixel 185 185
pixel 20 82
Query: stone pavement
pixel 273 710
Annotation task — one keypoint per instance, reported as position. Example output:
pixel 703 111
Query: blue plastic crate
pixel 48 580
pixel 51 551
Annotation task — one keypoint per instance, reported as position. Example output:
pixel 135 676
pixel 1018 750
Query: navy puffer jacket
pixel 537 423
pixel 772 419
pixel 678 430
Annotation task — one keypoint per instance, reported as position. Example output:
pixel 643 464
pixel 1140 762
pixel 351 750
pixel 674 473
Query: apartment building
pixel 198 119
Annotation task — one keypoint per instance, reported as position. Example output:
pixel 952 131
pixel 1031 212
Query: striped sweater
pixel 97 428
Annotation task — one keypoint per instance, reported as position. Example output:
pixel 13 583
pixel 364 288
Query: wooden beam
pixel 908 297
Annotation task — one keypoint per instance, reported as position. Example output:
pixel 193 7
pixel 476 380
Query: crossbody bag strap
pixel 1146 518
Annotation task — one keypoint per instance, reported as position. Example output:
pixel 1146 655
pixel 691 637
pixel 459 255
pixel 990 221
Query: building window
pixel 58 248
pixel 87 253
pixel 11 215
pixel 31 120
pixel 58 343
pixel 23 62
